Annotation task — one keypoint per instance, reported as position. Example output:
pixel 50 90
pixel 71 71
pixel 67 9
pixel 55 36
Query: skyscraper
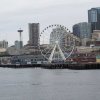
pixel 94 18
pixel 34 34
pixel 82 30
pixel 3 44
pixel 76 30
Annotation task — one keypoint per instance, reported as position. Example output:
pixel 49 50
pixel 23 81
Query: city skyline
pixel 45 12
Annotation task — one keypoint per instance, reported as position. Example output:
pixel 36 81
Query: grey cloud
pixel 20 12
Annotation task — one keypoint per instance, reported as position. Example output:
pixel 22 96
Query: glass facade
pixel 94 18
pixel 93 15
pixel 82 30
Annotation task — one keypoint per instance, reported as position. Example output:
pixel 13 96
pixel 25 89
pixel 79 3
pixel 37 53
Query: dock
pixel 56 66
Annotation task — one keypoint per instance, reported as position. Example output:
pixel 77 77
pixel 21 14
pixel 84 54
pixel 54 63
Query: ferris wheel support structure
pixel 53 51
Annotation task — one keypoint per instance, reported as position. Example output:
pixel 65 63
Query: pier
pixel 56 66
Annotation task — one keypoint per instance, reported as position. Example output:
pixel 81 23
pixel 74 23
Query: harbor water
pixel 45 84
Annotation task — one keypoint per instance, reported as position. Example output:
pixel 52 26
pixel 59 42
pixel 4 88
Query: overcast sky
pixel 18 13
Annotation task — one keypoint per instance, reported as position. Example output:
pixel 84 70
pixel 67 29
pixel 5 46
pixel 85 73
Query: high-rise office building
pixel 34 34
pixel 76 30
pixel 82 30
pixel 94 18
pixel 3 44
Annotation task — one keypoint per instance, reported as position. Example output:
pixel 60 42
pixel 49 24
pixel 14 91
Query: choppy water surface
pixel 44 84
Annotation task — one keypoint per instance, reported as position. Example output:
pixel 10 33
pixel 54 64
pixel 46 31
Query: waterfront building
pixel 94 18
pixel 34 29
pixel 22 59
pixel 98 58
pixel 83 31
pixel 84 57
pixel 3 44
pixel 28 59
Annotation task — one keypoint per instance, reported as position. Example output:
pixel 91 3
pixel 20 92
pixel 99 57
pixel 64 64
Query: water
pixel 44 84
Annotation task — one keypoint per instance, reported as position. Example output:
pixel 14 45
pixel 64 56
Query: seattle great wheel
pixel 56 43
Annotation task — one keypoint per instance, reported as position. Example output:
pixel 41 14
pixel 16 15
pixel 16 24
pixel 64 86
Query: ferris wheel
pixel 56 43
